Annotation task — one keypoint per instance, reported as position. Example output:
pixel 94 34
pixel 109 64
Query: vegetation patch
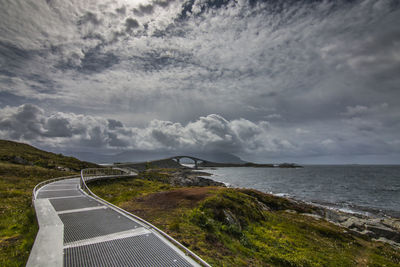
pixel 21 168
pixel 238 227
pixel 18 226
pixel 23 154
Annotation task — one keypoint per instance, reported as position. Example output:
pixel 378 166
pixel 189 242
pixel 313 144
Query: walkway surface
pixel 98 235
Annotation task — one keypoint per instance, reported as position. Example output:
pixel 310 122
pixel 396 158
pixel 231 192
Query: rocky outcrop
pixel 382 229
pixel 187 177
pixel 20 160
pixel 142 166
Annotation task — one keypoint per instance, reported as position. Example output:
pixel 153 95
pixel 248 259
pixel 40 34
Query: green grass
pixel 121 190
pixel 14 152
pixel 18 226
pixel 237 227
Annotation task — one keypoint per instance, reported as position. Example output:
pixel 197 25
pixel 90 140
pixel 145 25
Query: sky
pixel 269 81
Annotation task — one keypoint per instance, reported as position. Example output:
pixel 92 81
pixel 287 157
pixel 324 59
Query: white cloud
pixel 211 133
pixel 274 116
pixel 356 110
pixel 327 142
pixel 302 131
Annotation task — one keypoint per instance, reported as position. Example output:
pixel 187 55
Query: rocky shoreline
pixel 385 229
pixel 188 177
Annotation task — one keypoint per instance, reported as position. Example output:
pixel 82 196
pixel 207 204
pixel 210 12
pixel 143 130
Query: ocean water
pixel 372 190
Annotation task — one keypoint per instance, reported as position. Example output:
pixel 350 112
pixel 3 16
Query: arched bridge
pixel 171 162
pixel 195 160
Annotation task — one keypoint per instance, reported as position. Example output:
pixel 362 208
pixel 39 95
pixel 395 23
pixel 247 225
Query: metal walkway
pixel 90 232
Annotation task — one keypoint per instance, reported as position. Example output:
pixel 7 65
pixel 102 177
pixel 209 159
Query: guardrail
pixel 41 184
pixel 100 173
pixel 96 174
pixel 47 250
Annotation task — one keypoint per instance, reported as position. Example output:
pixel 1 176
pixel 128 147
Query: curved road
pixel 78 230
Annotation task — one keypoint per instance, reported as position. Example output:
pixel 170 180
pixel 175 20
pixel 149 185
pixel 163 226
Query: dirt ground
pixel 169 201
pixel 187 197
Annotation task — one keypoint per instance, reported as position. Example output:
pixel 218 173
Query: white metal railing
pixel 41 184
pixel 103 173
pixel 47 250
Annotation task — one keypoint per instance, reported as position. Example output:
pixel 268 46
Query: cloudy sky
pixel 302 81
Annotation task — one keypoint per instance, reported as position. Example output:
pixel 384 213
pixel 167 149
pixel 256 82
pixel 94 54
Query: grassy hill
pixel 23 154
pixel 21 168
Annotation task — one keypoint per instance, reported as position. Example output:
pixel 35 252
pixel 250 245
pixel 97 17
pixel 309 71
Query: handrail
pixel 41 184
pixel 165 235
pixel 47 250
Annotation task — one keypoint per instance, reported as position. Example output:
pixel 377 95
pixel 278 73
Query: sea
pixel 371 190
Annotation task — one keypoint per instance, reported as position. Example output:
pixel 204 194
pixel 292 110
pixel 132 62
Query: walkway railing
pixel 41 184
pixel 100 173
pixel 104 173
pixel 47 250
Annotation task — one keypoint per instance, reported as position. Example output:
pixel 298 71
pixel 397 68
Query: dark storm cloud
pixel 143 10
pixel 162 3
pixel 113 124
pixel 148 8
pixel 25 123
pixel 157 60
pixel 58 127
pixel 121 10
pixel 131 24
pixel 95 61
pixel 308 77
pixel 89 17
pixel 11 57
pixel 30 123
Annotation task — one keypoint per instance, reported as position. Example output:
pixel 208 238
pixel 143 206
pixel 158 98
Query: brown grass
pixel 154 206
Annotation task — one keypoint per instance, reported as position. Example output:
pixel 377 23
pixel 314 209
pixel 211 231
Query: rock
pixel 263 206
pixel 188 178
pixel 331 215
pixel 392 223
pixel 354 222
pixel 231 219
pixel 383 231
pixel 291 211
pixel 368 233
pixel 315 216
pixel 384 240
pixel 19 160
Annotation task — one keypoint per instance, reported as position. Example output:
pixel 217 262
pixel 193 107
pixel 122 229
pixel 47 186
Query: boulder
pixel 354 223
pixel 383 231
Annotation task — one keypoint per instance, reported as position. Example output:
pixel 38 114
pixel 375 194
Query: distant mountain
pixel 145 155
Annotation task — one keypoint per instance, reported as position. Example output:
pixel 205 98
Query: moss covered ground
pixel 24 154
pixel 237 227
pixel 18 225
pixel 21 168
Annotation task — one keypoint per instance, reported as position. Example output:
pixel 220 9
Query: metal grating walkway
pixel 58 193
pixel 78 202
pixel 98 235
pixel 143 250
pixel 101 221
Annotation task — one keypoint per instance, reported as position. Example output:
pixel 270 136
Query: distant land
pixel 145 155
